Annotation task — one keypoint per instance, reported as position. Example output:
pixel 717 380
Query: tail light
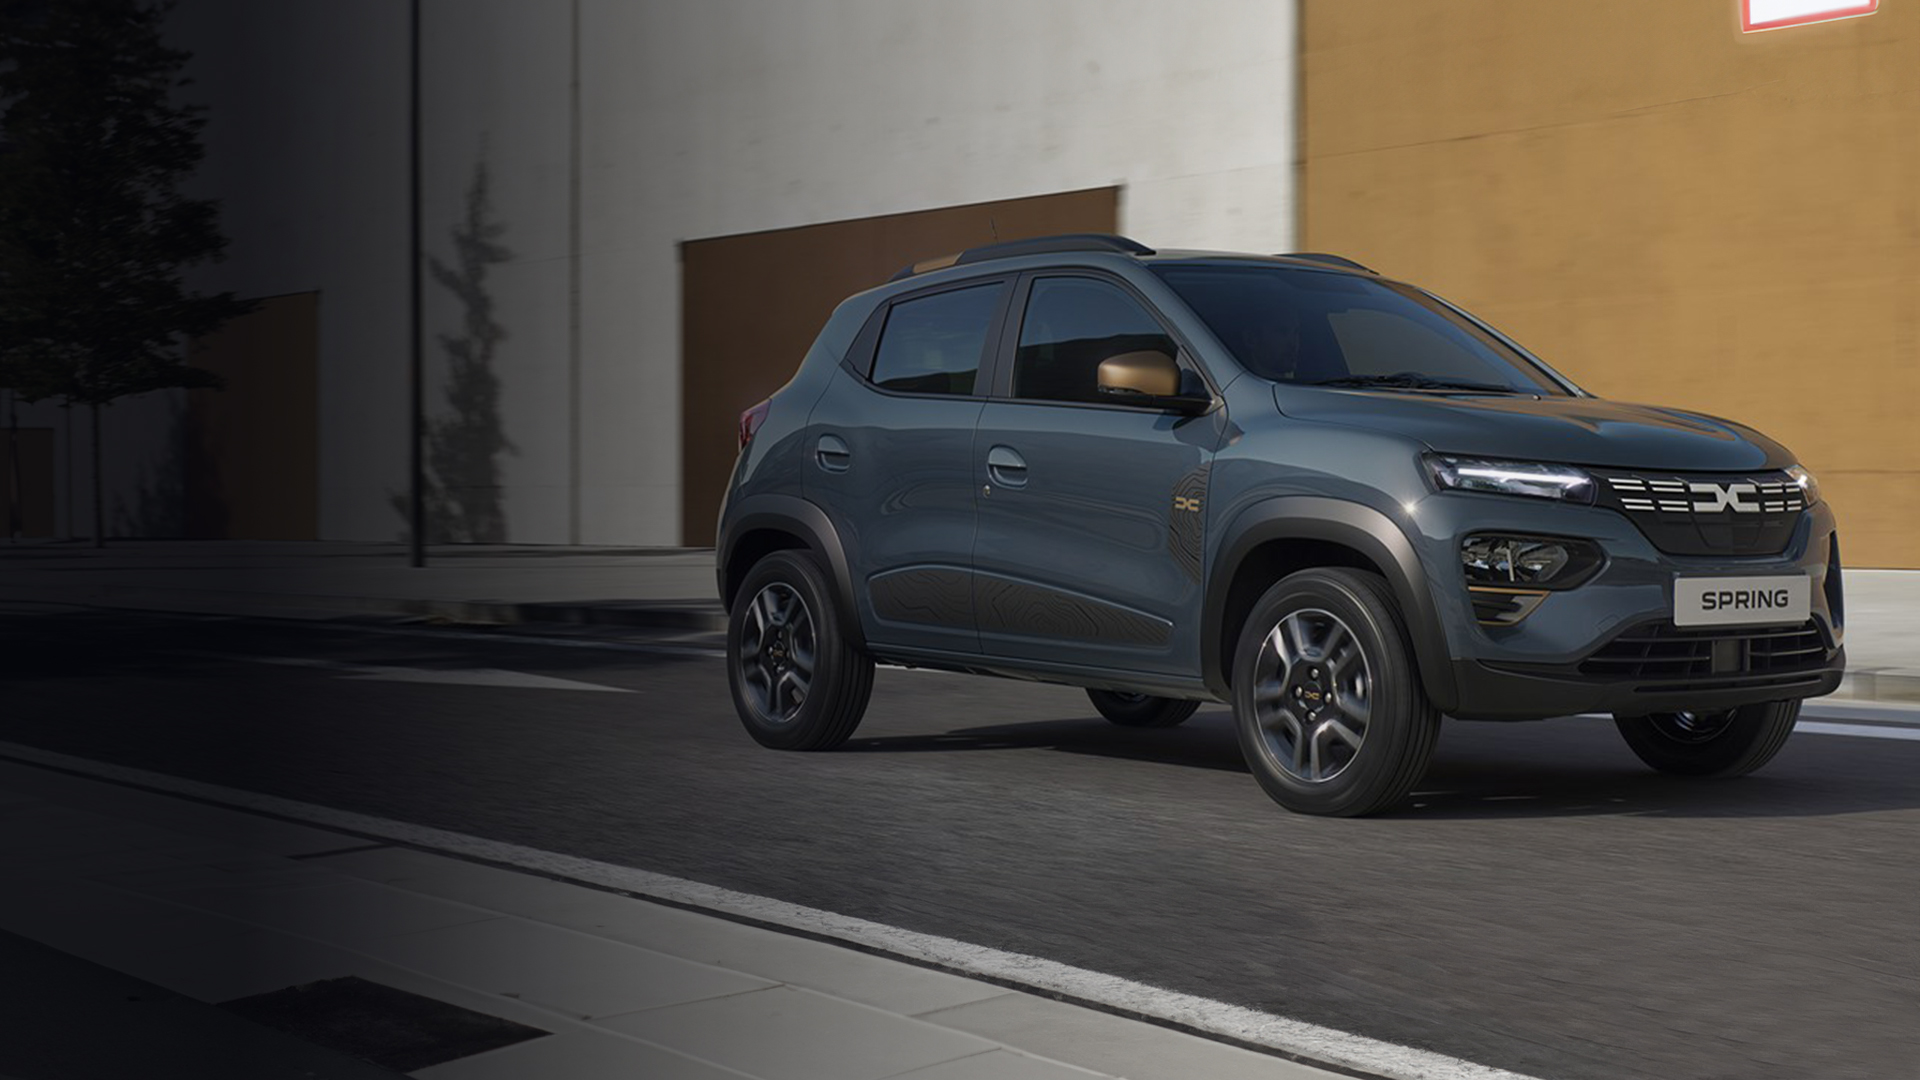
pixel 751 420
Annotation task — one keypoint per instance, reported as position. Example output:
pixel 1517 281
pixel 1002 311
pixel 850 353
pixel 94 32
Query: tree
pixel 95 235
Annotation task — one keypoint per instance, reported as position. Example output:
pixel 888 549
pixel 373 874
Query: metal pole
pixel 16 511
pixel 416 496
pixel 573 287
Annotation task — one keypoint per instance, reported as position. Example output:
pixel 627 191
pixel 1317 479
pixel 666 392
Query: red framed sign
pixel 1756 15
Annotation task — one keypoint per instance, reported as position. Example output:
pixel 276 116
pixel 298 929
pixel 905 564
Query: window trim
pixel 1016 317
pixel 866 344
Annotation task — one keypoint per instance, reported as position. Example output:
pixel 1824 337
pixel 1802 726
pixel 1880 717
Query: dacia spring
pixel 1333 500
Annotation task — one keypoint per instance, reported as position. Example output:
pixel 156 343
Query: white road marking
pixel 541 639
pixel 1860 731
pixel 1198 1014
pixel 1883 722
pixel 438 676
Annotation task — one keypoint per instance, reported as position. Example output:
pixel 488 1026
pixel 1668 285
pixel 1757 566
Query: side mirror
pixel 1151 379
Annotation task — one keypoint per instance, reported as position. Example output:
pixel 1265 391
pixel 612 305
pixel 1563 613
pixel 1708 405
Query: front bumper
pixel 1566 656
pixel 1490 693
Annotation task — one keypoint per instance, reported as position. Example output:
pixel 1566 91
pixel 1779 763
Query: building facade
pixel 636 215
pixel 1666 208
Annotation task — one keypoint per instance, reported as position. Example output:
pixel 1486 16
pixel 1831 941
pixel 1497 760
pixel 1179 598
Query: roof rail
pixel 1038 245
pixel 1330 260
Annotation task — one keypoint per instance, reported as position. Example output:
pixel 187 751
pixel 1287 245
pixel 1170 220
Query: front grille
pixel 1664 651
pixel 1708 513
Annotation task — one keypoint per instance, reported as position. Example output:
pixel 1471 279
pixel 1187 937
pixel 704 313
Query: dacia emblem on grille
pixel 1190 503
pixel 1720 497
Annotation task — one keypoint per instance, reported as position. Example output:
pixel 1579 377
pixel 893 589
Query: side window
pixel 1071 325
pixel 933 344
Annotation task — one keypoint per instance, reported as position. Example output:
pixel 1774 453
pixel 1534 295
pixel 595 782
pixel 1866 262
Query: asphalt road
pixel 1543 903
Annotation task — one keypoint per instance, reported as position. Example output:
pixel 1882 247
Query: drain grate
pixel 377 1023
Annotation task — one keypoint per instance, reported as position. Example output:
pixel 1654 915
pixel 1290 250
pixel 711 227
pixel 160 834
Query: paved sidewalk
pixel 646 588
pixel 196 904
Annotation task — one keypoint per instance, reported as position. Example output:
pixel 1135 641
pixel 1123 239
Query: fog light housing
pixel 1527 562
pixel 1509 576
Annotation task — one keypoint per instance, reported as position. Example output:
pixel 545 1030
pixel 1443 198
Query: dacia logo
pixel 1720 497
pixel 1190 503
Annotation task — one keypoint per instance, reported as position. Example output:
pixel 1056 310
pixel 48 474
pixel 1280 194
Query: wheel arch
pixel 762 524
pixel 1277 536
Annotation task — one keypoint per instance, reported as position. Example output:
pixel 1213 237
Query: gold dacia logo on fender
pixel 1187 502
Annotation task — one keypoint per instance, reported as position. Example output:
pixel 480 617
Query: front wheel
pixel 1727 742
pixel 797 683
pixel 1141 710
pixel 1326 699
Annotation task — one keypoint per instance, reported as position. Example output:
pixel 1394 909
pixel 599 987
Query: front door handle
pixel 832 453
pixel 1007 468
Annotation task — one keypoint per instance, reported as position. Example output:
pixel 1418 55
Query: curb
pixel 686 615
pixel 1880 685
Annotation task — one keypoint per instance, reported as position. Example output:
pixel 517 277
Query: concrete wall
pixel 1666 209
pixel 694 120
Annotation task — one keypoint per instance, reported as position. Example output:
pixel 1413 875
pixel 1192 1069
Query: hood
pixel 1566 430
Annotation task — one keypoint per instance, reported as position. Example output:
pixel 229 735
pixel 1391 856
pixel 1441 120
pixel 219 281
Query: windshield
pixel 1316 328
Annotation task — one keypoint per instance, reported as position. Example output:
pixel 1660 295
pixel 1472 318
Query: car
pixel 1333 500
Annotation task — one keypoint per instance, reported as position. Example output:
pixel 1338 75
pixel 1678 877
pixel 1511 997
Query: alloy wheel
pixel 777 652
pixel 1313 695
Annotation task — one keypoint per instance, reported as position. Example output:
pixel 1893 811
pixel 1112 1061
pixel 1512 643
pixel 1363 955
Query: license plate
pixel 1741 601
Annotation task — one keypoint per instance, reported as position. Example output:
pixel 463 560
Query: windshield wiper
pixel 1407 380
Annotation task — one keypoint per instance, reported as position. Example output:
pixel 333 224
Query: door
pixel 1090 523
pixel 890 449
pixel 253 447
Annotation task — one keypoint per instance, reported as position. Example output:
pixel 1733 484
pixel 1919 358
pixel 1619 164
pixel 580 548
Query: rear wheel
pixel 1327 702
pixel 1141 710
pixel 1726 742
pixel 797 683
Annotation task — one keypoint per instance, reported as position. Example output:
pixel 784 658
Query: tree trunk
pixel 99 501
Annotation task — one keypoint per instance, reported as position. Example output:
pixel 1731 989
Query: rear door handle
pixel 1007 468
pixel 832 453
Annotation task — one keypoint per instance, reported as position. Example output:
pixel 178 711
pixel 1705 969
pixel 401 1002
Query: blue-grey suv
pixel 1332 499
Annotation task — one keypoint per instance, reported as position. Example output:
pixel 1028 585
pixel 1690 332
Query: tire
pixel 1141 710
pixel 1731 742
pixel 797 683
pixel 1365 740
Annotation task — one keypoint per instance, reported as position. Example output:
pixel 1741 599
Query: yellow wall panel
pixel 1668 210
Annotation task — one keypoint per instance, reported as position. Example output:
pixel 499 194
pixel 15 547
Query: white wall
pixel 699 118
pixel 735 116
pixel 307 151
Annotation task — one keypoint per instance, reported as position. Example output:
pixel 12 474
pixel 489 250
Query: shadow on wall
pixel 465 441
pixel 157 507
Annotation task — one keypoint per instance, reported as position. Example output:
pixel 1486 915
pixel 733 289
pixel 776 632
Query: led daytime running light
pixel 1527 479
pixel 1507 476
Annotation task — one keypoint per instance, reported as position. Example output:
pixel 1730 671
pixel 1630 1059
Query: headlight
pixel 1808 487
pixel 1532 479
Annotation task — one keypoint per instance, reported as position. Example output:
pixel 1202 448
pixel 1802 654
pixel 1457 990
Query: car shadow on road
pixel 1200 743
pixel 1562 768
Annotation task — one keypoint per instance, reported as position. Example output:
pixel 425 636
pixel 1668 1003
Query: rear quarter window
pixel 934 344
